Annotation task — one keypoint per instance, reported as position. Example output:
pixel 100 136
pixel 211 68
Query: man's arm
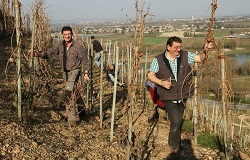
pixel 84 59
pixel 201 57
pixel 151 76
pixel 164 83
pixel 112 78
pixel 45 54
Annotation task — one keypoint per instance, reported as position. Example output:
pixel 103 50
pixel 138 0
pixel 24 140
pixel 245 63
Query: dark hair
pixel 92 37
pixel 67 28
pixel 173 39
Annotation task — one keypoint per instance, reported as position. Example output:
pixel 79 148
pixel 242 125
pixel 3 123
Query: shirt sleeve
pixel 154 67
pixel 191 57
pixel 84 58
pixel 50 53
pixel 111 77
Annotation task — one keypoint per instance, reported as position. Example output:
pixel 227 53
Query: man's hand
pixel 121 84
pixel 208 46
pixel 86 78
pixel 166 84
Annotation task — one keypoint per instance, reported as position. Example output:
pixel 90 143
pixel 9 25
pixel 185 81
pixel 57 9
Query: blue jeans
pixel 97 58
pixel 175 115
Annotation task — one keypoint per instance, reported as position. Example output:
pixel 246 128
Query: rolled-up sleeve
pixel 154 67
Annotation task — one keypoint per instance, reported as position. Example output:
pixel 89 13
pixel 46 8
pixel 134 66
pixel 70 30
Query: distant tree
pixel 230 43
pixel 232 32
pixel 232 66
pixel 245 68
pixel 218 25
pixel 187 34
pixel 123 30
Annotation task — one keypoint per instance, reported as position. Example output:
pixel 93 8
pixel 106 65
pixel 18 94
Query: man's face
pixel 67 36
pixel 111 67
pixel 175 49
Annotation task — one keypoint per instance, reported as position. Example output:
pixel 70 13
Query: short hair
pixel 92 37
pixel 173 39
pixel 111 65
pixel 67 28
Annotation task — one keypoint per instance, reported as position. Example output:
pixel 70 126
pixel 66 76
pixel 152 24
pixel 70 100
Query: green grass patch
pixel 219 34
pixel 206 140
pixel 209 141
pixel 155 40
pixel 187 126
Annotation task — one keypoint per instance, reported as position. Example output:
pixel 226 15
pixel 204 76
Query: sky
pixel 66 10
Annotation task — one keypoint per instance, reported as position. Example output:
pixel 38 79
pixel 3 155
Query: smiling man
pixel 72 55
pixel 171 71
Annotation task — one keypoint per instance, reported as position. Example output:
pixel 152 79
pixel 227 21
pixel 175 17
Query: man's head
pixel 67 33
pixel 174 45
pixel 111 66
pixel 92 38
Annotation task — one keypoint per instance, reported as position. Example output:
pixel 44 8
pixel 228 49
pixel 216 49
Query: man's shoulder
pixel 96 42
pixel 159 55
pixel 184 53
pixel 76 42
pixel 60 43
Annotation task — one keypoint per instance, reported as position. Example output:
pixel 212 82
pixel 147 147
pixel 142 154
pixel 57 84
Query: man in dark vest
pixel 171 71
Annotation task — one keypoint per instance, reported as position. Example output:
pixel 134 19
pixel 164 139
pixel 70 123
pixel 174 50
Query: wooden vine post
pixel 31 66
pixel 224 102
pixel 114 95
pixel 101 90
pixel 18 40
pixel 195 113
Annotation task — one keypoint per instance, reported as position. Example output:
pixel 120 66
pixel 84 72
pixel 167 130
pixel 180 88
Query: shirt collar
pixel 73 41
pixel 168 57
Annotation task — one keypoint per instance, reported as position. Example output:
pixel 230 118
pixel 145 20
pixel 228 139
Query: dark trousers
pixel 175 115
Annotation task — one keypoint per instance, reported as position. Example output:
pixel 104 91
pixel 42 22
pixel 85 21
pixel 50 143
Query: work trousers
pixel 175 115
pixel 97 58
pixel 71 79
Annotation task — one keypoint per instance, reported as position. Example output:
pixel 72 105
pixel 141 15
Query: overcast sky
pixel 59 10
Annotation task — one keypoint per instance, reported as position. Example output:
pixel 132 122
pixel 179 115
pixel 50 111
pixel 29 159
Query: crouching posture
pixel 111 76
